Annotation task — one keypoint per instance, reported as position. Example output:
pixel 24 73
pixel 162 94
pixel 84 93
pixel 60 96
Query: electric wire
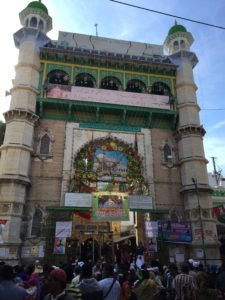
pixel 167 14
pixel 212 108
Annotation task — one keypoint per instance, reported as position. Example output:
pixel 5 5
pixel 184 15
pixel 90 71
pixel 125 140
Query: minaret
pixel 195 190
pixel 20 119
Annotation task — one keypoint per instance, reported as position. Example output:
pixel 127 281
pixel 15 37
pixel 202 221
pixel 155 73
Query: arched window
pixel 167 152
pixel 110 83
pixel 136 86
pixel 33 22
pixel 41 25
pixel 45 144
pixel 85 79
pixel 176 45
pixel 182 44
pixel 36 224
pixel 58 77
pixel 160 88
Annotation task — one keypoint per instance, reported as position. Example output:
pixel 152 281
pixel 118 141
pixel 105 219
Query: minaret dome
pixel 178 39
pixel 36 16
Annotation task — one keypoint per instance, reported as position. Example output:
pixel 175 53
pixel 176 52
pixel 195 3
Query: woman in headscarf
pixel 202 290
pixel 147 288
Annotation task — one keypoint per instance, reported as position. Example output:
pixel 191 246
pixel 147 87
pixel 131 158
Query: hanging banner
pixel 59 245
pixel 219 211
pixel 2 253
pixel 2 225
pixel 11 252
pixel 35 251
pixel 63 229
pixel 151 229
pixel 108 206
pixel 83 214
pixel 86 94
pixel 179 232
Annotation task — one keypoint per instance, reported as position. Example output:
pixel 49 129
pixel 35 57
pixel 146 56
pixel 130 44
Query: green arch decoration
pixel 86 174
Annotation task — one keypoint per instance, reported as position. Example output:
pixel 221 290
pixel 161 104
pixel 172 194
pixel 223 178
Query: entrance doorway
pixel 97 245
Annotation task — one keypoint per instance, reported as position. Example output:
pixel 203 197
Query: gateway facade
pixel 90 114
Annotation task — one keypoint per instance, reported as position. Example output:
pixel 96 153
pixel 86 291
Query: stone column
pixel 18 143
pixel 195 188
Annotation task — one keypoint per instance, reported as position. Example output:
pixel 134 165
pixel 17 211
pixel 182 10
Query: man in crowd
pixel 184 283
pixel 56 285
pixel 109 285
pixel 8 289
pixel 88 285
pixel 70 288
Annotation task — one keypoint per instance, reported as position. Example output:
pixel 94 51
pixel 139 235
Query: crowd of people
pixel 134 280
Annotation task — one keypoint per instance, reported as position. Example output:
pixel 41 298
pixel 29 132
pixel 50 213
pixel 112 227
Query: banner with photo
pixel 219 211
pixel 2 225
pixel 59 245
pixel 151 229
pixel 179 232
pixel 62 231
pixel 108 206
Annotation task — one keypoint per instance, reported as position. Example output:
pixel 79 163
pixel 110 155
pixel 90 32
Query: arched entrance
pixel 110 170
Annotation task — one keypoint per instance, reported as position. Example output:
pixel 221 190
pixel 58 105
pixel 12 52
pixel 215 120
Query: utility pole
pixel 195 181
pixel 96 29
pixel 215 171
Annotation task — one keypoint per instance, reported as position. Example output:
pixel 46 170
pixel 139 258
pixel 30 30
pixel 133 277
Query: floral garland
pixel 84 161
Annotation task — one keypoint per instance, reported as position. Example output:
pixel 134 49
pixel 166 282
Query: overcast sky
pixel 122 22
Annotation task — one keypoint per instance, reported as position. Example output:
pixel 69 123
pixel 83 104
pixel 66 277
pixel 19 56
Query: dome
pixel 177 28
pixel 39 5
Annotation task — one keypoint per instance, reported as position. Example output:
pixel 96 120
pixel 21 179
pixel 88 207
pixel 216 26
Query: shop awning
pixel 124 238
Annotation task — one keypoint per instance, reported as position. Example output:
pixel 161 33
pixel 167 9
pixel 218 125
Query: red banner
pixel 219 210
pixel 3 222
pixel 83 214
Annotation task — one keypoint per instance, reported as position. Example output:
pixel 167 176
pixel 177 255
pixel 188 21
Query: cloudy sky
pixel 122 22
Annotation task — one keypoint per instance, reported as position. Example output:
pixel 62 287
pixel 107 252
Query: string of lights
pixel 168 15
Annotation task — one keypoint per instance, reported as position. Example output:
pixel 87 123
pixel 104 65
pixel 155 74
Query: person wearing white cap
pixel 193 265
pixel 140 261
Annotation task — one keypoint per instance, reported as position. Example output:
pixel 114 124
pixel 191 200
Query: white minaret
pixel 20 119
pixel 195 188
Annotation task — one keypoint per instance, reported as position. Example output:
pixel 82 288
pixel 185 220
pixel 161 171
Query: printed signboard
pixel 110 206
pixel 179 232
pixel 63 229
pixel 151 229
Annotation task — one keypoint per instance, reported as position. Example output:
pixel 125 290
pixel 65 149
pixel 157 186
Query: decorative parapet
pixel 177 57
pixel 21 114
pixel 190 188
pixel 190 129
pixel 153 65
pixel 30 34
